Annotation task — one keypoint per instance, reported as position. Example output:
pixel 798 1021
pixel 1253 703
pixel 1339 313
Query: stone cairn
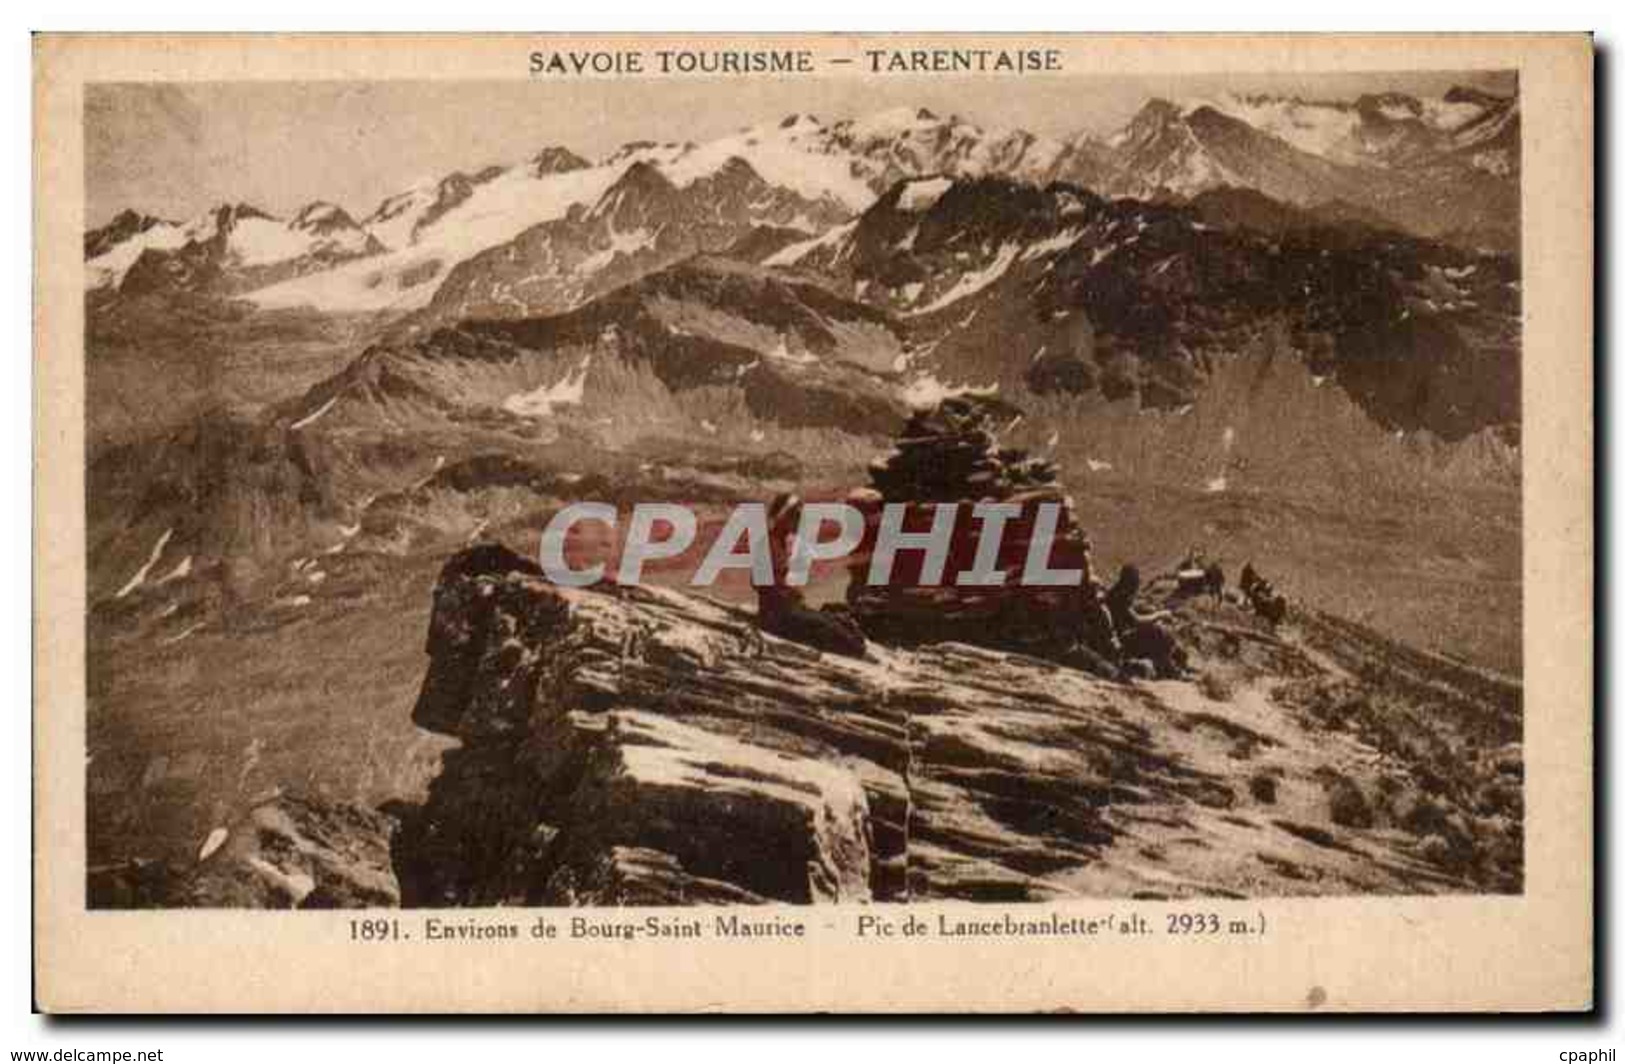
pixel 950 454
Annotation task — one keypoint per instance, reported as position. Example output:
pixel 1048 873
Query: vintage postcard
pixel 813 523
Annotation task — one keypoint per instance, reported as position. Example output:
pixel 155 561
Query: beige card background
pixel 1422 954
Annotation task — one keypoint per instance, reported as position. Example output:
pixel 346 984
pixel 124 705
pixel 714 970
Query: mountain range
pixel 1444 168
pixel 1224 296
pixel 1284 332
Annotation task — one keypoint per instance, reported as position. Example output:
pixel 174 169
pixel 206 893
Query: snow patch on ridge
pixel 140 576
pixel 922 195
pixel 314 415
pixel 927 391
pixel 778 159
pixel 262 241
pixel 181 571
pixel 1051 245
pixel 540 403
pixel 628 243
pixel 791 254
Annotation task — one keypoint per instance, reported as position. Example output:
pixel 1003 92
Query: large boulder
pixel 602 756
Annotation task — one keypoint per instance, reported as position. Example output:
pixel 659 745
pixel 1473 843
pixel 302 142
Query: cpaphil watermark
pixel 986 544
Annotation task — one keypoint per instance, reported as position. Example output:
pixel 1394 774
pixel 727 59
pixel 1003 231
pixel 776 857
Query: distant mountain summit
pixel 125 226
pixel 642 222
pixel 233 247
pixel 324 219
pixel 556 160
pixel 1444 167
pixel 1383 129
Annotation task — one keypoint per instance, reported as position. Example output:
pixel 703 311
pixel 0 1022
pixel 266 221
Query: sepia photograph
pixel 1258 337
pixel 824 490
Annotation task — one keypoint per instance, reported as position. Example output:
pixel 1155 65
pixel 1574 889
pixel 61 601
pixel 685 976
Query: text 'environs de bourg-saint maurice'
pixel 710 61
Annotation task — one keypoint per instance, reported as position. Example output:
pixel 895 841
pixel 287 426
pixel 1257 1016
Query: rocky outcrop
pixel 641 746
pixel 634 745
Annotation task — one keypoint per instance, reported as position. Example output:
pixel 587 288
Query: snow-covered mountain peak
pixel 322 217
pixel 1153 118
pixel 556 159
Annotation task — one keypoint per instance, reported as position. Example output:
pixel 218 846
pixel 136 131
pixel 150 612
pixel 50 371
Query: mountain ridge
pixel 1444 167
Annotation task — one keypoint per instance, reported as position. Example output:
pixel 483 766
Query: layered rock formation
pixel 641 746
pixel 626 745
